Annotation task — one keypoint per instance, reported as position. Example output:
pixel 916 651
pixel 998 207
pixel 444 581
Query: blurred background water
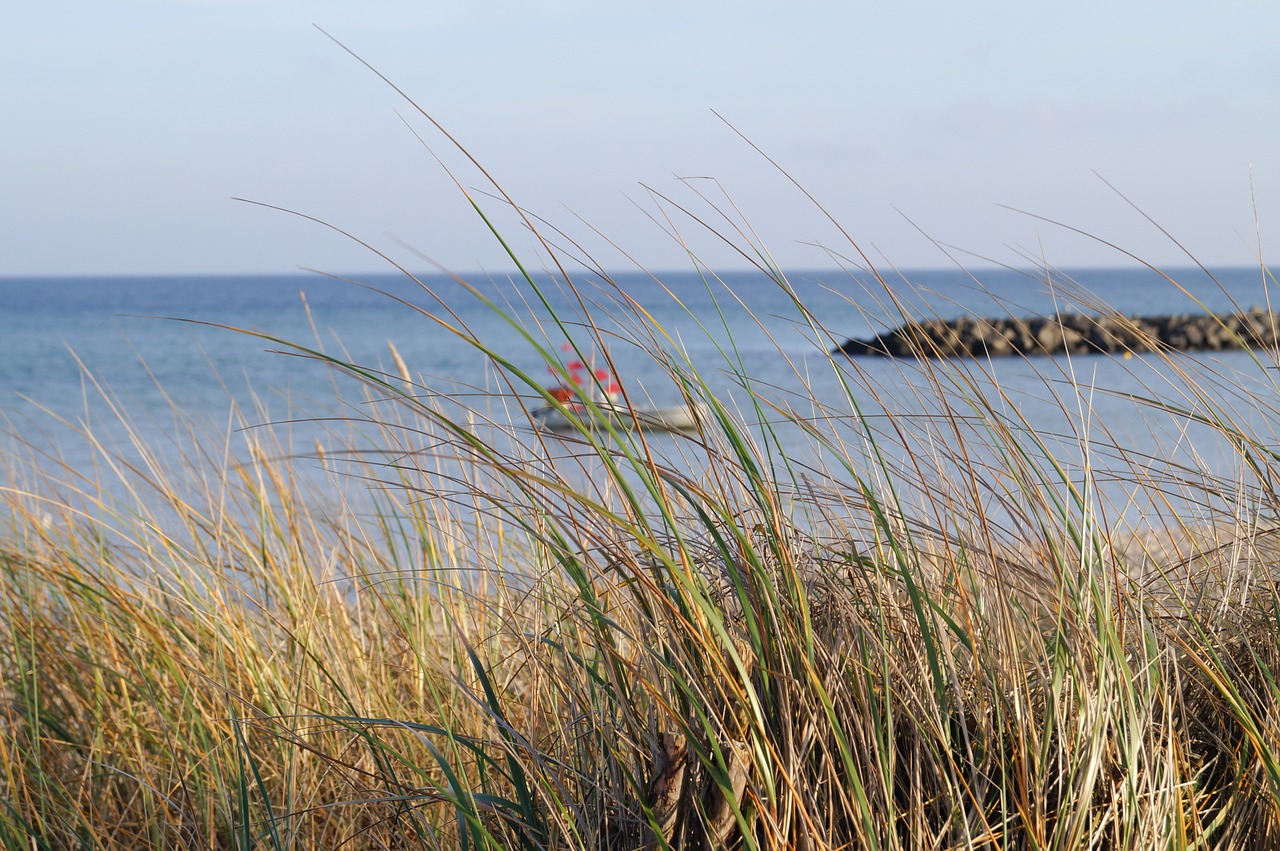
pixel 161 344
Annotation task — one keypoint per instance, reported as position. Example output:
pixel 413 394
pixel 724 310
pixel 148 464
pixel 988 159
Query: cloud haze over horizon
pixel 926 131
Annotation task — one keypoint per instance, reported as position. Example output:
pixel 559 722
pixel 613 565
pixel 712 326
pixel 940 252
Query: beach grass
pixel 814 622
pixel 943 636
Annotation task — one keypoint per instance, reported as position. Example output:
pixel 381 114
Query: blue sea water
pixel 68 346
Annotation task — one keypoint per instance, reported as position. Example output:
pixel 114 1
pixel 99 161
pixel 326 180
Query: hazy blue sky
pixel 128 125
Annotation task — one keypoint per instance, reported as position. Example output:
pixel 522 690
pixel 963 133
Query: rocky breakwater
pixel 1072 333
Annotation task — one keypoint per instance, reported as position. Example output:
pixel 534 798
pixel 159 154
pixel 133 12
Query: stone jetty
pixel 1072 333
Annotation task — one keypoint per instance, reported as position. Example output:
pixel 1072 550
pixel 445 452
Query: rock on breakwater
pixel 1073 333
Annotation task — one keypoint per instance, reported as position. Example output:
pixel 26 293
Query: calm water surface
pixel 156 344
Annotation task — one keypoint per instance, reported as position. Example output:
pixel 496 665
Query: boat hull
pixel 577 417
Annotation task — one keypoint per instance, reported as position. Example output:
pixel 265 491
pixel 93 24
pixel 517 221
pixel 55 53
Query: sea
pixel 117 362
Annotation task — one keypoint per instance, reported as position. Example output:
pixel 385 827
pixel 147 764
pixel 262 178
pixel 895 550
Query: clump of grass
pixel 953 648
pixel 809 624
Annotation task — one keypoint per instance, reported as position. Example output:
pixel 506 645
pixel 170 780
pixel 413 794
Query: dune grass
pixel 941 638
pixel 944 633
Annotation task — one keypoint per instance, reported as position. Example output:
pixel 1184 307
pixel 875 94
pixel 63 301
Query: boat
pixel 576 416
pixel 570 412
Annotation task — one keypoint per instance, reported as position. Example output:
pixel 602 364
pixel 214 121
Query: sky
pixel 914 134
